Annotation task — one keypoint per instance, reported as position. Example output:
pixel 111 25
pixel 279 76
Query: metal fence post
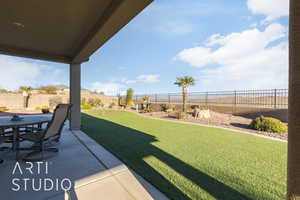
pixel 235 101
pixel 275 98
pixel 155 98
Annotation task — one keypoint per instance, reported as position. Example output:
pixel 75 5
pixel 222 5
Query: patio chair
pixel 51 133
pixel 2 140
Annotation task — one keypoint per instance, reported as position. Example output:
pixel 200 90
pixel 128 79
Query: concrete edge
pixel 112 163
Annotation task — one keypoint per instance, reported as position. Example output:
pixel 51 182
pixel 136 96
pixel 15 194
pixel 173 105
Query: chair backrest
pixel 56 124
pixel 2 139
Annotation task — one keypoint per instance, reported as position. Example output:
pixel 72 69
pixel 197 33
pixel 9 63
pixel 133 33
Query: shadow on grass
pixel 132 146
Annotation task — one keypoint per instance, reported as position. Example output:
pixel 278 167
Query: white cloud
pixel 118 87
pixel 249 59
pixel 175 27
pixel 107 88
pixel 16 72
pixel 145 78
pixel 272 9
pixel 148 78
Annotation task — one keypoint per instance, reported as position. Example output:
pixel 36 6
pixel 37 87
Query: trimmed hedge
pixel 268 124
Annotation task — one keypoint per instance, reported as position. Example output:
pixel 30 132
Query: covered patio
pixel 90 168
pixel 70 32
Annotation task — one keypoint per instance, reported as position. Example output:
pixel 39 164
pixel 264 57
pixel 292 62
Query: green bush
pixel 38 108
pixel 86 107
pixel 112 104
pixel 146 110
pixel 45 107
pixel 129 98
pixel 268 124
pixel 3 109
pixel 95 102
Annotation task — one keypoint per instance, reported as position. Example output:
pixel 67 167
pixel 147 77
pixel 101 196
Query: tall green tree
pixel 26 92
pixel 129 97
pixel 184 82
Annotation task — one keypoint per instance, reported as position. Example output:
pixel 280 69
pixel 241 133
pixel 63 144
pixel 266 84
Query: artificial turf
pixel 192 162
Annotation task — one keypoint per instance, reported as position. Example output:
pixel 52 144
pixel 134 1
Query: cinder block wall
pixel 15 101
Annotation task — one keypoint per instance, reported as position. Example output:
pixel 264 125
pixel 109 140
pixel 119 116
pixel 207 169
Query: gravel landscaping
pixel 221 120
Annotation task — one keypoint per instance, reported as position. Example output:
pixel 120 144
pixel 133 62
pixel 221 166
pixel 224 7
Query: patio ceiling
pixel 64 31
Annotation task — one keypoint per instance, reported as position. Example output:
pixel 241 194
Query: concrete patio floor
pixel 94 173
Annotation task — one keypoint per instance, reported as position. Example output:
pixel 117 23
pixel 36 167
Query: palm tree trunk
pixel 184 98
pixel 293 181
pixel 25 101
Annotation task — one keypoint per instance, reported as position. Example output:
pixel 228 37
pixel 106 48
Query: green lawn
pixel 192 162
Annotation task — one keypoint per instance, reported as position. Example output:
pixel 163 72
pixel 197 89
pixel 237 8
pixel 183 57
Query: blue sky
pixel 224 45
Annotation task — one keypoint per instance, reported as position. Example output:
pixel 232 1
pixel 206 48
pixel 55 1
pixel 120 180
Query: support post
pixel 206 99
pixel 235 101
pixel 75 89
pixel 293 178
pixel 275 98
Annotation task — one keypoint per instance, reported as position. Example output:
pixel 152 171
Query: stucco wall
pixel 15 101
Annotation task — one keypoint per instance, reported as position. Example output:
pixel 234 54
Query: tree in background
pixel 184 83
pixel 129 97
pixel 3 91
pixel 26 91
pixel 145 102
pixel 48 89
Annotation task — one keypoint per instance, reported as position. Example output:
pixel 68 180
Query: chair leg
pixel 41 151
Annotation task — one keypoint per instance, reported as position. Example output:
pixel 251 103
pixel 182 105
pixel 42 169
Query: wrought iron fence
pixel 271 98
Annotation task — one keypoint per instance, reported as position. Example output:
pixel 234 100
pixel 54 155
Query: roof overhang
pixel 64 31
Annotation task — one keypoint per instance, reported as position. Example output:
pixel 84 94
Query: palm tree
pixel 185 82
pixel 145 100
pixel 26 90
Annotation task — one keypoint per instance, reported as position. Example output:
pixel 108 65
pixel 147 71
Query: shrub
pixel 48 89
pixel 3 109
pixel 95 102
pixel 45 109
pixel 38 108
pixel 181 115
pixel 129 97
pixel 112 104
pixel 155 107
pixel 131 104
pixel 146 110
pixel 86 107
pixel 98 102
pixel 167 107
pixel 268 124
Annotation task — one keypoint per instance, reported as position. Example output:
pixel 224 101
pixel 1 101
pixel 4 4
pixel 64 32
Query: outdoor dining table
pixel 32 120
